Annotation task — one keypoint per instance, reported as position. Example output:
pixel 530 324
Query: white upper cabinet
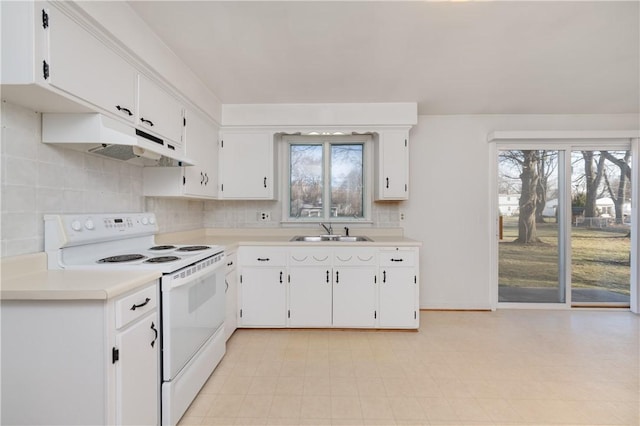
pixel 247 165
pixel 201 141
pixel 83 66
pixel 392 165
pixel 197 181
pixel 158 112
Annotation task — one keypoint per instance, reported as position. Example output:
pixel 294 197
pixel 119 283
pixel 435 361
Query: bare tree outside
pixel 309 179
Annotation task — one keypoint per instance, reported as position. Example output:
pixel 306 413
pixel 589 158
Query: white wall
pixel 449 206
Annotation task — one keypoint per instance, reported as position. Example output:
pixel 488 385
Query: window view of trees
pixel 342 174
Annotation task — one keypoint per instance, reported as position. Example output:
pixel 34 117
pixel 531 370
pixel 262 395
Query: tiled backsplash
pixel 39 178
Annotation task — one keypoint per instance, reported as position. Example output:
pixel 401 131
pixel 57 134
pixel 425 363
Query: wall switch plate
pixel 264 216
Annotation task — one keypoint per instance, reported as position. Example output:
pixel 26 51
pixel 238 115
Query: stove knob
pixel 76 225
pixel 145 221
pixel 152 220
pixel 89 224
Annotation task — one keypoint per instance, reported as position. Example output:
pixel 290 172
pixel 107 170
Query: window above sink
pixel 328 178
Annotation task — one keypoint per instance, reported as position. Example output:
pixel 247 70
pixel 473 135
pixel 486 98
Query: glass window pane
pixel 306 185
pixel 529 256
pixel 347 180
pixel 600 227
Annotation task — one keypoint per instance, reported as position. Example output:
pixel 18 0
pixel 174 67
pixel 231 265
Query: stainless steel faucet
pixel 329 229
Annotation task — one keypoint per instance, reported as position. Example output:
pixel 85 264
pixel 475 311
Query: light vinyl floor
pixel 533 367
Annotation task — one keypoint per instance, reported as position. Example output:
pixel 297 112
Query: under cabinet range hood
pixel 98 134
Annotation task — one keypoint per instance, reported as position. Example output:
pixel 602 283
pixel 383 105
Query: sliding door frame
pixel 566 141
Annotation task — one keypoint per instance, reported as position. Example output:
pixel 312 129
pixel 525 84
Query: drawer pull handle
pixel 396 260
pixel 125 110
pixel 365 260
pixel 134 307
pixel 155 330
pixel 227 286
pixel 144 120
pixel 384 276
pixel 263 259
pixel 344 260
pixel 230 264
pixel 337 277
pixel 321 260
pixel 299 260
pixel 280 277
pixel 327 276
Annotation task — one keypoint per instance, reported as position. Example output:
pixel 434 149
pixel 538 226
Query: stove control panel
pixel 74 229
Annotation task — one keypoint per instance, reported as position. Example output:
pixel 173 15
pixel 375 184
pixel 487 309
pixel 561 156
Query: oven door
pixel 193 308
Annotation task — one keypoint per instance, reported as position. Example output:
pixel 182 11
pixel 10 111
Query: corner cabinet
pixel 247 165
pixel 262 291
pixel 392 165
pixel 99 357
pixel 197 181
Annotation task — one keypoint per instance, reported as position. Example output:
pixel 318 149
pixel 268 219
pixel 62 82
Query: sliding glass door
pixel 600 227
pixel 564 226
pixel 529 252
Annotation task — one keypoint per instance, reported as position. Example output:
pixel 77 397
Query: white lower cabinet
pixel 354 297
pixel 310 288
pixel 327 286
pixel 263 290
pixel 231 295
pixel 79 362
pixel 137 373
pixel 398 292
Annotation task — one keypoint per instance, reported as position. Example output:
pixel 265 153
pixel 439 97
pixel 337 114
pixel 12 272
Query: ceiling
pixel 512 57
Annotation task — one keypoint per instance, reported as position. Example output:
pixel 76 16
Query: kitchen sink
pixel 338 238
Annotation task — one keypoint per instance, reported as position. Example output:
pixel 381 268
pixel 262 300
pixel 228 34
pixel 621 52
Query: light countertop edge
pixel 73 285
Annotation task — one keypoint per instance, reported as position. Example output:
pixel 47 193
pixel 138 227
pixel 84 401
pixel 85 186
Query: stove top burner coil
pixel 122 258
pixel 162 259
pixel 162 247
pixel 192 248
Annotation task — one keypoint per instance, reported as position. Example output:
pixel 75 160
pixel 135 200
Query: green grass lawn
pixel 600 257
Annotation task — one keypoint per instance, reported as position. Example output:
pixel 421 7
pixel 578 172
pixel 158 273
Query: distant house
pixel 509 204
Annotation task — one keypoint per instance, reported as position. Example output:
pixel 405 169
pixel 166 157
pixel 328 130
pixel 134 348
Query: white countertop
pixel 26 278
pixel 233 238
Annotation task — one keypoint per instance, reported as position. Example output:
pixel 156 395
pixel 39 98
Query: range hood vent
pixel 98 134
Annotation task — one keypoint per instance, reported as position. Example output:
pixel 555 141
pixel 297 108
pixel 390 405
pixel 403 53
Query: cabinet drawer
pixel 397 257
pixel 135 305
pixel 262 256
pixel 317 256
pixel 354 256
pixel 231 259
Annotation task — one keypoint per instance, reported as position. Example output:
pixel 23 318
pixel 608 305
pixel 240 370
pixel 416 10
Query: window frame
pixel 327 141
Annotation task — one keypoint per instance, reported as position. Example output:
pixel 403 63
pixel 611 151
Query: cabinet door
pixel 246 166
pixel 393 166
pixel 158 111
pixel 201 143
pixel 231 296
pixel 310 296
pixel 354 297
pixel 263 297
pixel 137 373
pixel 83 66
pixel 398 297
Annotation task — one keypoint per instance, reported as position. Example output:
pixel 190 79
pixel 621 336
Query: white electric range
pixel 192 291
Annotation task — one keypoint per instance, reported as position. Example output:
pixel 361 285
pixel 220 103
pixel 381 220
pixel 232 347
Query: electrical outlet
pixel 264 216
pixel 401 216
